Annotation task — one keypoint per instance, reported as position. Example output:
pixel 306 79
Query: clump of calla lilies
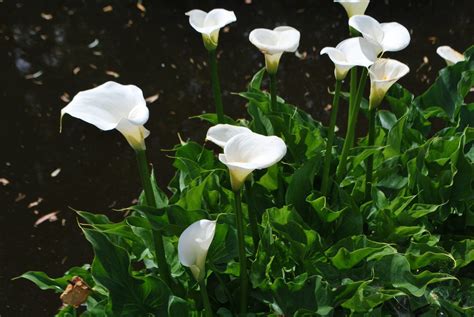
pixel 361 60
pixel 115 106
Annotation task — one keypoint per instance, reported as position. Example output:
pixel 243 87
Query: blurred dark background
pixel 50 50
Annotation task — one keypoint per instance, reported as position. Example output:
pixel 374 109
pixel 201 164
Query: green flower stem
pixel 370 159
pixel 358 100
pixel 353 32
pixel 150 200
pixel 252 216
pixel 205 298
pixel 353 97
pixel 352 121
pixel 273 92
pixel 216 86
pixel 239 217
pixel 331 134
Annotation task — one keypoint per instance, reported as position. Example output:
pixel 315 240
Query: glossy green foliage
pixel 408 251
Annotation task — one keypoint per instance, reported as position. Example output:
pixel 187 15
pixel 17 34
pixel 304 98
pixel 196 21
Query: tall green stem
pixel 331 134
pixel 216 86
pixel 352 102
pixel 273 92
pixel 242 257
pixel 150 201
pixel 370 159
pixel 252 215
pixel 205 298
pixel 352 121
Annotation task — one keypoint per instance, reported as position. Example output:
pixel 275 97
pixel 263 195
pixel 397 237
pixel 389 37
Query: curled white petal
pixel 354 7
pixel 113 106
pixel 355 51
pixel 383 74
pixel 208 22
pixel 450 55
pixel 273 43
pixel 194 244
pixel 276 41
pixel 396 37
pixel 368 27
pixel 221 133
pixel 391 36
pixel 247 152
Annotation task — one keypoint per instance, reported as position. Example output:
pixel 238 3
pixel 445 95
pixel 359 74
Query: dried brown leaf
pixel 46 16
pixel 65 97
pixel 112 73
pixel 153 98
pixel 34 75
pixel 35 203
pixel 56 172
pixel 20 197
pixel 76 292
pixel 52 216
pixel 141 7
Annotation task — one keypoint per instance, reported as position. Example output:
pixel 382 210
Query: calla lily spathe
pixel 391 37
pixel 113 106
pixel 246 152
pixel 450 55
pixel 273 43
pixel 354 7
pixel 355 51
pixel 209 24
pixel 193 245
pixel 221 133
pixel 383 74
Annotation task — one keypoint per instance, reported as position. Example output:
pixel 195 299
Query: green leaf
pixel 301 184
pixel 128 295
pixel 67 311
pixel 320 206
pixel 256 81
pixel 44 282
pixel 349 252
pixel 395 270
pixel 261 123
pixel 449 89
pixel 177 307
pixel 270 179
pixel 399 99
pixel 395 137
pixel 212 118
pixel 421 254
pixel 463 252
pixel 303 293
pixel 368 297
pixel 387 119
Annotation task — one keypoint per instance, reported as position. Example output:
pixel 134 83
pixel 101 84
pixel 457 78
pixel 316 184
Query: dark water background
pixel 45 54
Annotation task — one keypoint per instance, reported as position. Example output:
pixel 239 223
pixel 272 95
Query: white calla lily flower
pixel 113 106
pixel 355 51
pixel 383 74
pixel 193 245
pixel 273 43
pixel 354 7
pixel 246 152
pixel 221 133
pixel 450 55
pixel 391 37
pixel 209 24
